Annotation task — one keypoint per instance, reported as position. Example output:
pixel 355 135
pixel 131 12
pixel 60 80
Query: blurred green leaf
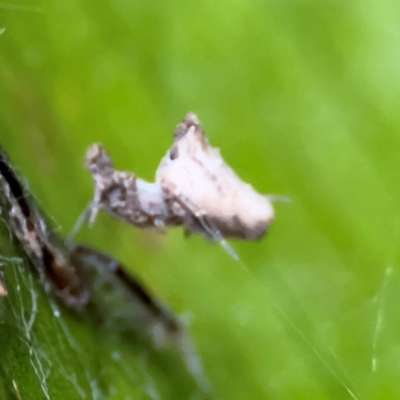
pixel 302 99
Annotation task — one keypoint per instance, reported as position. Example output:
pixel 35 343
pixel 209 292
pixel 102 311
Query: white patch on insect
pixel 196 174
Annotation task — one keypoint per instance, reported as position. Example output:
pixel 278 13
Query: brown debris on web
pixel 84 277
pixel 124 301
pixel 46 251
pixel 193 188
pixel 135 302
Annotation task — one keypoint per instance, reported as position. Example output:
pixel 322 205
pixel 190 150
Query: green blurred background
pixel 302 97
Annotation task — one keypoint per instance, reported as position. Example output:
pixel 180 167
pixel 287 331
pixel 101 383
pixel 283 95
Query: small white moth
pixel 194 188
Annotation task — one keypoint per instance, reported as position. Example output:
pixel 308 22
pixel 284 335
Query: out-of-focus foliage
pixel 302 97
